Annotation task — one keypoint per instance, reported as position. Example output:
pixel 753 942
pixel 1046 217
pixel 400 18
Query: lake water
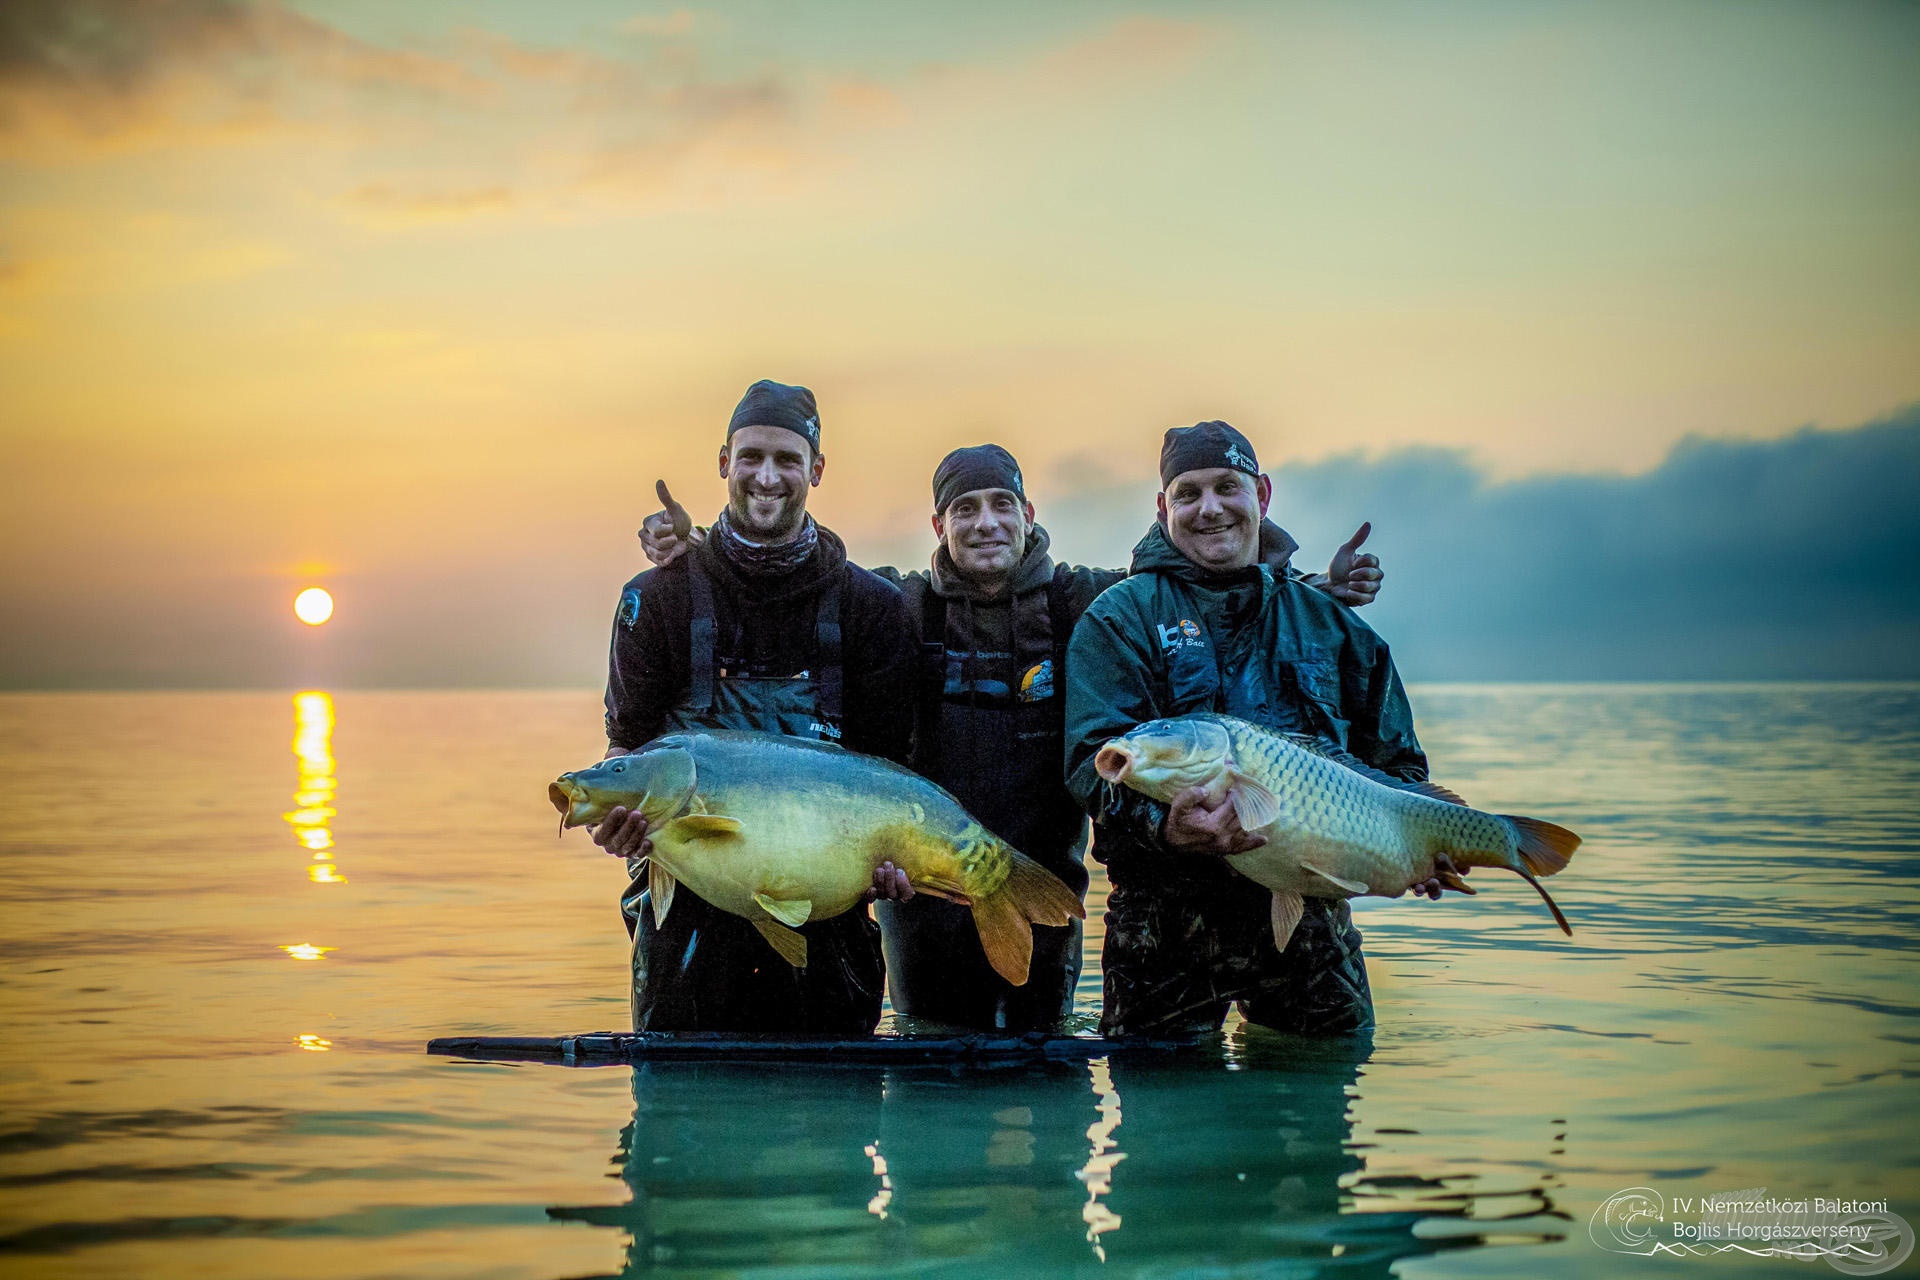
pixel 232 921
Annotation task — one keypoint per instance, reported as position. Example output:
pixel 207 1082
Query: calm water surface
pixel 231 922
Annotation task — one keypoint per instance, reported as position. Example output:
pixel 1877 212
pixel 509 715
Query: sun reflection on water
pixel 1102 1156
pixel 307 951
pixel 313 812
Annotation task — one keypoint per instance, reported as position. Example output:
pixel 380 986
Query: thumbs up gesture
pixel 1353 575
pixel 667 534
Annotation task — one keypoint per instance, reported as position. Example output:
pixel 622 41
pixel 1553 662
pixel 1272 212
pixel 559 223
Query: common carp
pixel 1331 832
pixel 784 830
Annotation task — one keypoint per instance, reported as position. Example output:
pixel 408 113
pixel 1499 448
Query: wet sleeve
pixel 879 708
pixel 640 687
pixel 1382 734
pixel 1109 691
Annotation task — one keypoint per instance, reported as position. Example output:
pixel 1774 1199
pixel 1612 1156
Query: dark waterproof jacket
pixel 764 627
pixel 1174 639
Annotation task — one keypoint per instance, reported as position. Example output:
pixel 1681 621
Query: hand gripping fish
pixel 784 830
pixel 1331 832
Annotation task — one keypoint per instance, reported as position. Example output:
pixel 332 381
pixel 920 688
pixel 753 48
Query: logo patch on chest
pixel 1184 634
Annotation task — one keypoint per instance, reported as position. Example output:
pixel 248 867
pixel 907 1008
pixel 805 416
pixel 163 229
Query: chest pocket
pixel 1317 677
pixel 1193 677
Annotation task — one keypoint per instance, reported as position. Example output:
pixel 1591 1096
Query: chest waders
pixel 1003 762
pixel 1180 951
pixel 708 970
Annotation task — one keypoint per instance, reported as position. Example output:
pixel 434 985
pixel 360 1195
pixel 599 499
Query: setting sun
pixel 313 606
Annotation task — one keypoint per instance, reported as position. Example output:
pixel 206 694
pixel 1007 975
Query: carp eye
pixel 619 768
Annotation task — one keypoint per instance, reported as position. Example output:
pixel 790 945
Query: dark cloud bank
pixel 1792 558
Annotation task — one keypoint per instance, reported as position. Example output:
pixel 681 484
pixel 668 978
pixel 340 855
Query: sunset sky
pixel 414 300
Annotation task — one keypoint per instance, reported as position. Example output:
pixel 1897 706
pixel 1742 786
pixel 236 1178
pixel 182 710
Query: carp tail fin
pixel 1005 936
pixel 1005 918
pixel 1544 847
pixel 1040 895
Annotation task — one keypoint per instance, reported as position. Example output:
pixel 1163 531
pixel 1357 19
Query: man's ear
pixel 1263 487
pixel 1160 504
pixel 819 469
pixel 726 456
pixel 939 527
pixel 1026 510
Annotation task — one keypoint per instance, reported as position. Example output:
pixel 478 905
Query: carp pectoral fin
pixel 791 911
pixel 791 944
pixel 1253 804
pixel 1345 885
pixel 704 826
pixel 660 886
pixel 1287 909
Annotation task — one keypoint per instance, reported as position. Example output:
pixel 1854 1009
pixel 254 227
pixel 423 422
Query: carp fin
pixel 1287 910
pixel 790 943
pixel 1544 847
pixel 792 911
pixel 660 886
pixel 1434 791
pixel 1347 886
pixel 1255 806
pixel 704 826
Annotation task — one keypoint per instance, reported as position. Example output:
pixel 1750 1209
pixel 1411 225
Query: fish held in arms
pixel 784 830
pixel 1331 831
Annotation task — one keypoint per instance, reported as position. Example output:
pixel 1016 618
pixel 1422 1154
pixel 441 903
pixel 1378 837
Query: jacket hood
pixel 1034 570
pixel 1155 553
pixel 829 557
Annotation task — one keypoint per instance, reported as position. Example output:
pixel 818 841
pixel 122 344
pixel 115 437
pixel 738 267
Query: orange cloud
pixel 389 204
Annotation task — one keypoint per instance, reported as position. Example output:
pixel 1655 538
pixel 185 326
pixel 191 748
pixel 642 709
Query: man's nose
pixel 766 475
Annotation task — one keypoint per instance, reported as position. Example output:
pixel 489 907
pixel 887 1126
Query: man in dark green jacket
pixel 1201 625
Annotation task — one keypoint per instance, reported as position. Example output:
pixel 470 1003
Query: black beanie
pixel 775 404
pixel 1202 446
pixel 982 466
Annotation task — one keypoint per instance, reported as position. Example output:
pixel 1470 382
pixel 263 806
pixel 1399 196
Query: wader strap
pixel 827 650
pixel 700 636
pixel 931 678
pixel 1062 627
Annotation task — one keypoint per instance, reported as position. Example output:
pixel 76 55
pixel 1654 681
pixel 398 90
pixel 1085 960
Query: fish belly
pixel 789 847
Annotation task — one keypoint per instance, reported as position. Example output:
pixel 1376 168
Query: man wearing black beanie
pixel 993 614
pixel 766 626
pixel 1200 624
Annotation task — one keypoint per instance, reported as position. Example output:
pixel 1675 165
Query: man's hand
pixel 623 833
pixel 1194 826
pixel 1353 575
pixel 890 883
pixel 666 534
pixel 1445 876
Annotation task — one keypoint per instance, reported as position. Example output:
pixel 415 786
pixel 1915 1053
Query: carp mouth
pixel 1113 762
pixel 567 796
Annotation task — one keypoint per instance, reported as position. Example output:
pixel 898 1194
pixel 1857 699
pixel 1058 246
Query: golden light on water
pixel 313 606
pixel 315 1044
pixel 307 951
pixel 313 812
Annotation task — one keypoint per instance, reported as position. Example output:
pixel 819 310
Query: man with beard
pixel 765 626
pixel 1201 624
pixel 993 616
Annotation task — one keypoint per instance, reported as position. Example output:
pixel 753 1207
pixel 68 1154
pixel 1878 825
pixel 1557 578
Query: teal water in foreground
pixel 232 921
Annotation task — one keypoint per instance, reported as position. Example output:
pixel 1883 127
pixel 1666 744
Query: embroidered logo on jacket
pixel 1037 684
pixel 629 607
pixel 1184 634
